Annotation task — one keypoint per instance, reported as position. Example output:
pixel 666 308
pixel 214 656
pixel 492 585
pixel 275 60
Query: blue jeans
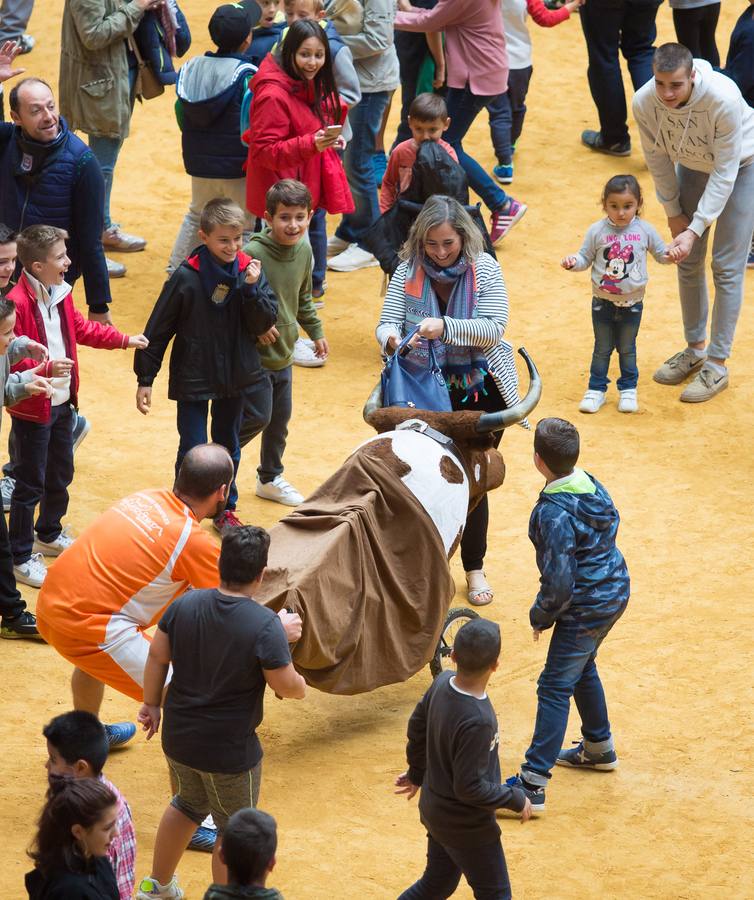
pixel 611 26
pixel 615 328
pixel 484 869
pixel 366 121
pixel 268 411
pixel 507 113
pixel 463 108
pixel 570 671
pixel 318 241
pixel 43 469
pixel 226 421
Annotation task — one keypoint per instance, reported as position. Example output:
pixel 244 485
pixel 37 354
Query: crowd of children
pixel 270 150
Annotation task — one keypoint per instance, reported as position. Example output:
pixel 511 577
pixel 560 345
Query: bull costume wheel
pixel 455 619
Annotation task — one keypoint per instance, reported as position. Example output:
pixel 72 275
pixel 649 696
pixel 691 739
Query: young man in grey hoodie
pixel 697 134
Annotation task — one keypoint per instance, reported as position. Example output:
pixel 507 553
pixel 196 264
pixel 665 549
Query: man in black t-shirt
pixel 225 649
pixel 452 756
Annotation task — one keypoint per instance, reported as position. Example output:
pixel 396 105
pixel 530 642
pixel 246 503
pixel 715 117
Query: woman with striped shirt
pixel 454 291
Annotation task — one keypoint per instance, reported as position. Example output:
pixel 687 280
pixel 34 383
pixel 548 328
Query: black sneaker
pixel 579 757
pixel 594 140
pixel 20 628
pixel 535 794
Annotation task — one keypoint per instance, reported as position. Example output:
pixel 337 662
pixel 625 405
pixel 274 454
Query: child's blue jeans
pixel 615 328
pixel 507 113
pixel 570 671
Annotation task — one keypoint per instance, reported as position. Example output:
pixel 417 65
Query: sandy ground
pixel 675 820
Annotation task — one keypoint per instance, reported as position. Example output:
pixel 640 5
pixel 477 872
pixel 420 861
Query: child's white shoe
pixel 592 402
pixel 628 402
pixel 151 888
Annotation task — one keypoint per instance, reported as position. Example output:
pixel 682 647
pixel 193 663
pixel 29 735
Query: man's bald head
pixel 204 470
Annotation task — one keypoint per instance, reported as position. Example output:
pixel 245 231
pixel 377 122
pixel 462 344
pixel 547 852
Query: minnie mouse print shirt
pixel 618 257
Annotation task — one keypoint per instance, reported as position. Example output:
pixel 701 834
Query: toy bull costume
pixel 364 560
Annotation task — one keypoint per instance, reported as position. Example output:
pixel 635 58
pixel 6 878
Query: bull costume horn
pixel 497 421
pixel 374 402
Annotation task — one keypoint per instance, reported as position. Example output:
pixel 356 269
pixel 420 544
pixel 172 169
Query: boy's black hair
pixel 476 646
pixel 287 192
pixel 79 735
pixel 669 57
pixel 7 235
pixel 7 308
pixel 249 844
pixel 619 184
pixel 243 554
pixel 428 107
pixel 557 443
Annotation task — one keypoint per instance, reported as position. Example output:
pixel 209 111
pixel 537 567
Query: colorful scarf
pixel 463 367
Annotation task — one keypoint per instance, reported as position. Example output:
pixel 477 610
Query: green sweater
pixel 289 272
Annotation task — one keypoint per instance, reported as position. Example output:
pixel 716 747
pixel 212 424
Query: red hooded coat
pixel 281 143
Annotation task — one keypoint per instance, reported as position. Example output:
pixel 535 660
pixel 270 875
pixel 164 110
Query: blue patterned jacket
pixel 583 576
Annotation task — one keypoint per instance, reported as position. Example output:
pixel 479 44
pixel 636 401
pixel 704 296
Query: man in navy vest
pixel 49 176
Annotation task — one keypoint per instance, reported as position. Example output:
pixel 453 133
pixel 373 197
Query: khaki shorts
pixel 196 794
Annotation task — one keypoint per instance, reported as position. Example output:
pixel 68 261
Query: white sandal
pixel 478 588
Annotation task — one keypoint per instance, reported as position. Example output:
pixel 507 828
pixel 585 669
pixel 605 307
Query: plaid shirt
pixel 122 852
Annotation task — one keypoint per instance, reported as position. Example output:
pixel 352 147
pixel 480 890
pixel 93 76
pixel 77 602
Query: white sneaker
pixel 628 401
pixel 351 259
pixel 150 889
pixel 336 245
pixel 32 572
pixel 7 486
pixel 305 356
pixel 54 548
pixel 280 491
pixel 592 402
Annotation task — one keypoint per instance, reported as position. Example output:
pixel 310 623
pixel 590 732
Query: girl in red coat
pixel 295 120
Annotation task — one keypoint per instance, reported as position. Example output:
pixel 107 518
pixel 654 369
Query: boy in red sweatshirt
pixel 42 425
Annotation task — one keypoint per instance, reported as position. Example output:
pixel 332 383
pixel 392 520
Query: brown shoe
pixel 115 239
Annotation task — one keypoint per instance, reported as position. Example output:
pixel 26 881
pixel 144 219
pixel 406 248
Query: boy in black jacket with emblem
pixel 452 756
pixel 215 304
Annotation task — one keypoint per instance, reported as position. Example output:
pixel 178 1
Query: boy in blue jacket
pixel 584 589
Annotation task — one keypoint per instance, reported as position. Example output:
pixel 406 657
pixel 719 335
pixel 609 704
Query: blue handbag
pixel 409 385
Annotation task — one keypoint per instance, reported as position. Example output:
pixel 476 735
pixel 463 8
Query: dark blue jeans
pixel 11 604
pixel 225 417
pixel 318 241
pixel 268 411
pixel 570 671
pixel 463 108
pixel 507 113
pixel 615 328
pixel 483 867
pixel 611 26
pixel 43 469
pixel 366 121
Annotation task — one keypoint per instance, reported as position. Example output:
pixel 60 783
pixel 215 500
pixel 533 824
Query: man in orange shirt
pixel 118 577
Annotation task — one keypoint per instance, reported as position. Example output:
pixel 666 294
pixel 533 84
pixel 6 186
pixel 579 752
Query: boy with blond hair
pixel 42 425
pixel 215 304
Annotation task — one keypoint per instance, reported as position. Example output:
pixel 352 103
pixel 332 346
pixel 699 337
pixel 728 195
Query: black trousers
pixel 11 604
pixel 483 867
pixel 695 29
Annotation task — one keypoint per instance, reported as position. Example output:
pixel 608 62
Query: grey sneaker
pixel 679 367
pixel 579 757
pixel 704 387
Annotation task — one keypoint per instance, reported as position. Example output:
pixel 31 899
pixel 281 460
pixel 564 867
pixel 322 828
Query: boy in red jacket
pixel 42 425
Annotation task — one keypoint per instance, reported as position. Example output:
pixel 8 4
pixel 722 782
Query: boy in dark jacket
pixel 210 96
pixel 248 850
pixel 267 31
pixel 216 304
pixel 584 589
pixel 452 756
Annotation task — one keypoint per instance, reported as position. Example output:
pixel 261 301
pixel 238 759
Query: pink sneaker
pixel 505 218
pixel 227 519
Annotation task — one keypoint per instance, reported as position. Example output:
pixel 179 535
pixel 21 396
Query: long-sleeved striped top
pixel 485 331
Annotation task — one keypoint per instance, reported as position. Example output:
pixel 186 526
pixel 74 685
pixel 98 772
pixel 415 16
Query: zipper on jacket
pixel 23 211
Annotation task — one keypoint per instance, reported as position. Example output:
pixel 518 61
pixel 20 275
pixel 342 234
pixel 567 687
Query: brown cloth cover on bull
pixel 364 566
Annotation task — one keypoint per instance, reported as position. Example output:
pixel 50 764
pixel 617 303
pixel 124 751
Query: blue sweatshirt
pixel 583 576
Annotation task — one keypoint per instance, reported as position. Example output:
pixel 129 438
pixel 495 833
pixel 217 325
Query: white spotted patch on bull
pixel 445 502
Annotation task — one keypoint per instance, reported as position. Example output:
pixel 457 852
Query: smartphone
pixel 333 130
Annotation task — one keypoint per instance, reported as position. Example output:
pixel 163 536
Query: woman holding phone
pixel 295 123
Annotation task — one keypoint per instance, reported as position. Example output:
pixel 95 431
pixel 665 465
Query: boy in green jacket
pixel 286 259
pixel 248 850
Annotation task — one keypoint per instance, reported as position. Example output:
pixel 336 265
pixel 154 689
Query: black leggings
pixel 695 29
pixel 474 539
